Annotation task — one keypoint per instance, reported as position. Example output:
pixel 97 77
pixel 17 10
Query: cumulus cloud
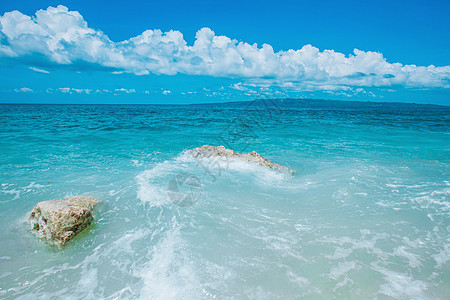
pixel 127 91
pixel 64 37
pixel 23 90
pixel 67 90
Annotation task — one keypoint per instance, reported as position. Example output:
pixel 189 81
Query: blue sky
pixel 204 51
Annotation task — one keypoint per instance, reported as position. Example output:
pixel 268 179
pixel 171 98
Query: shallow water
pixel 367 214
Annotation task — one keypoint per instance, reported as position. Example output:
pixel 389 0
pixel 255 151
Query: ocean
pixel 365 216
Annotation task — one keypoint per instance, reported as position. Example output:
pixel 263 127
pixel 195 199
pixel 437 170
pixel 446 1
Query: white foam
pixel 414 259
pixel 298 280
pixel 302 227
pixel 417 243
pixel 342 268
pixel 153 183
pixel 357 244
pixel 405 186
pixel 33 186
pixel 136 163
pixel 442 257
pixel 215 166
pixel 307 289
pixel 14 192
pixel 340 253
pixel 400 285
pixel 150 189
pixel 124 243
pixel 125 293
pixel 170 273
pixel 436 198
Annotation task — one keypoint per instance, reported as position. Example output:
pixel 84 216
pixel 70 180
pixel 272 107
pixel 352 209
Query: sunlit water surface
pixel 365 216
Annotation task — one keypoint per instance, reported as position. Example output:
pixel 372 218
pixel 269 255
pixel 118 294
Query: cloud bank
pixel 63 37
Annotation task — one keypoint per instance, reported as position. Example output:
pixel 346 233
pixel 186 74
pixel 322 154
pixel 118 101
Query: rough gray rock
pixel 206 151
pixel 60 220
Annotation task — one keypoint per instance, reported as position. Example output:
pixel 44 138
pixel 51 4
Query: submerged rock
pixel 60 220
pixel 206 151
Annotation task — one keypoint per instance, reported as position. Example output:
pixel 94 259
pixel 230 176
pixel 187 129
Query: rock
pixel 206 151
pixel 58 221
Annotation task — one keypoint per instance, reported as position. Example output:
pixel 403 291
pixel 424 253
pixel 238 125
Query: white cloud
pixel 39 70
pixel 67 90
pixel 238 86
pixel 23 90
pixel 128 91
pixel 166 92
pixel 80 91
pixel 64 37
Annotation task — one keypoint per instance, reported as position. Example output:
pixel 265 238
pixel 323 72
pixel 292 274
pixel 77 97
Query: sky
pixel 218 51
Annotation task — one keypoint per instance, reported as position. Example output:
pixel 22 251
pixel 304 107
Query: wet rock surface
pixel 58 221
pixel 206 151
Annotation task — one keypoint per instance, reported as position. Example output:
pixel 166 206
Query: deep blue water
pixel 367 214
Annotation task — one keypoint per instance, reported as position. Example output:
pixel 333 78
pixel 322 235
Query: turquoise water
pixel 367 214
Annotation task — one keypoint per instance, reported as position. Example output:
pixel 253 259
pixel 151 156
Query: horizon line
pixel 228 102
